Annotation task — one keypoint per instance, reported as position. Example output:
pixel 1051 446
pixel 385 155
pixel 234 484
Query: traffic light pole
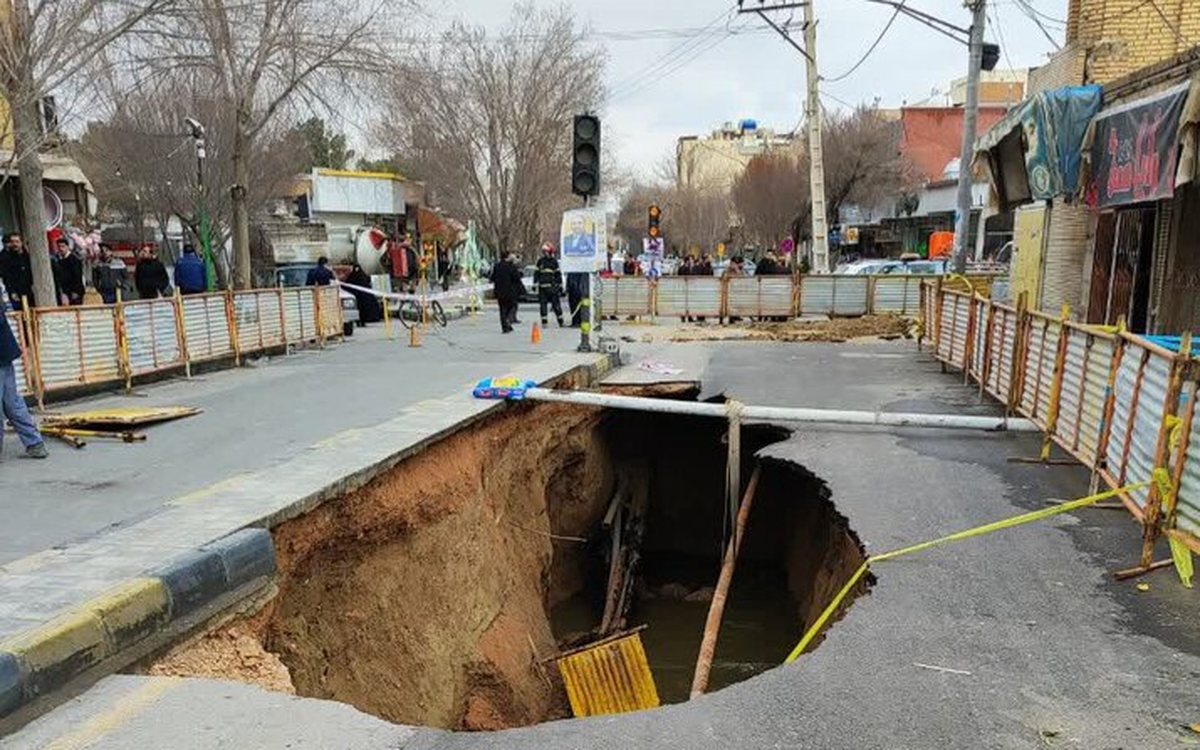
pixel 589 310
pixel 962 216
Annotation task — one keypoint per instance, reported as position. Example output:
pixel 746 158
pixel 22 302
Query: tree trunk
pixel 241 214
pixel 27 132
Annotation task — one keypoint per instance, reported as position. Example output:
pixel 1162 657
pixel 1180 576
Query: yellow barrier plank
pixel 609 677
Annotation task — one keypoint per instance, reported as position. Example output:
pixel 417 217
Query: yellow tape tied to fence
pixel 1005 523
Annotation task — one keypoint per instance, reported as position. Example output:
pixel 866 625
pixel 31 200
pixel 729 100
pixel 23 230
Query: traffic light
pixel 585 156
pixel 654 214
pixel 991 56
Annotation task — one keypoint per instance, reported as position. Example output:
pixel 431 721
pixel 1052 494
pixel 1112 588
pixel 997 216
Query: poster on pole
pixel 652 255
pixel 584 240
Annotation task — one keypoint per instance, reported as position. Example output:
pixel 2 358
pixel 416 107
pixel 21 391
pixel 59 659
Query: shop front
pixel 1141 192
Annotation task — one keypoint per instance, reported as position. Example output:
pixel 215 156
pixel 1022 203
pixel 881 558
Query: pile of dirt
pixel 235 653
pixel 886 327
pixel 835 330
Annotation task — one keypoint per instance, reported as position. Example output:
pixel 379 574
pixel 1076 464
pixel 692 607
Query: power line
pixel 672 54
pixel 874 44
pixel 1032 16
pixel 1029 7
pixel 1179 37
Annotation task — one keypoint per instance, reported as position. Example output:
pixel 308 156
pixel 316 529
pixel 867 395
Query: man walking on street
pixel 110 276
pixel 150 275
pixel 506 280
pixel 549 284
pixel 15 271
pixel 12 403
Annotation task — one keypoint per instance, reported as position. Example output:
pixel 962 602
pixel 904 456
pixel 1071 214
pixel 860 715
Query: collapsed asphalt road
pixel 1032 643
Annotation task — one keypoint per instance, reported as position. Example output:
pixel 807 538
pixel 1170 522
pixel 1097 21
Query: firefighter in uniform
pixel 549 284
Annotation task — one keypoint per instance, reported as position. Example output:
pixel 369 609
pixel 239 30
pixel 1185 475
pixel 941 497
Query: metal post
pixel 820 228
pixel 962 219
pixel 589 321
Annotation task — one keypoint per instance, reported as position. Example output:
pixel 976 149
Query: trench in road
pixel 433 595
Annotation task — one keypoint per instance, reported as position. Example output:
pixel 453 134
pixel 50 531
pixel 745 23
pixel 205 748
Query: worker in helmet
pixel 548 279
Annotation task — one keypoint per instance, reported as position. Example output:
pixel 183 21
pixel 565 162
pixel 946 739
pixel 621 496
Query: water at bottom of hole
pixel 759 628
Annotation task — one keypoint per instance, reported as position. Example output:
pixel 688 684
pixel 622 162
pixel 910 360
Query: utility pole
pixel 816 151
pixel 962 218
pixel 812 113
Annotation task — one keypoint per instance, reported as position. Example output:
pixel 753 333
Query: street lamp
pixel 196 130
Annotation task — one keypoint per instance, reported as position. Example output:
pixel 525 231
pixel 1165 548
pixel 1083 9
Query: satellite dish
pixel 53 208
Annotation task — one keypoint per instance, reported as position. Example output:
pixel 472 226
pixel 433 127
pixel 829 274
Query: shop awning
pixel 1132 149
pixel 1034 152
pixel 55 168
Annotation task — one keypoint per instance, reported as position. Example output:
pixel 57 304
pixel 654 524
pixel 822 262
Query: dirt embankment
pixel 423 597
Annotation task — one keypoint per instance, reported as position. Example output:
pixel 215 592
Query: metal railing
pixel 1119 403
pixel 70 347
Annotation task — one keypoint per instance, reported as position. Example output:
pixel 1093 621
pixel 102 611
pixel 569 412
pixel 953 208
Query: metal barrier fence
pixel 1113 400
pixel 770 296
pixel 69 347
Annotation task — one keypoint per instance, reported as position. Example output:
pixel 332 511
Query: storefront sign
pixel 1134 150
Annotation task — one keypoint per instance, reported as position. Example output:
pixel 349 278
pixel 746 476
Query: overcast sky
pixel 705 81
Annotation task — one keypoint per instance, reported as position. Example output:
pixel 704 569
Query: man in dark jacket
pixel 150 275
pixel 12 403
pixel 320 275
pixel 110 276
pixel 506 280
pixel 15 271
pixel 68 273
pixel 191 277
pixel 549 284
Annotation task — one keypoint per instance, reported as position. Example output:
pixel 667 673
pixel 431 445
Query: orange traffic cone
pixel 535 336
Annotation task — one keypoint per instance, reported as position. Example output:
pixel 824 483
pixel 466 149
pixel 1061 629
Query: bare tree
pixel 141 162
pixel 487 122
pixel 770 196
pixel 863 165
pixel 44 45
pixel 262 58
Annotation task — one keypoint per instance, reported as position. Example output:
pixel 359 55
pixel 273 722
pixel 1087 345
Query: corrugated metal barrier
pixel 760 296
pixel 684 296
pixel 206 327
pixel 76 346
pixel 625 295
pixel 896 294
pixel 1109 398
pixel 151 329
pixel 16 323
pixel 611 676
pixel 330 302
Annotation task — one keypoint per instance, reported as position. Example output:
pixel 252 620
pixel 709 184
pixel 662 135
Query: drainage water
pixel 438 593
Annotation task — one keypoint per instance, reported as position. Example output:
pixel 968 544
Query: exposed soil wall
pixel 423 598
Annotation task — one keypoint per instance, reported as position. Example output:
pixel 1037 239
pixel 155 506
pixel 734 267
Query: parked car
pixel 531 291
pixel 295 276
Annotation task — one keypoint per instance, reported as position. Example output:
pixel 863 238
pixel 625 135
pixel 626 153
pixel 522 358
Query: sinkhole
pixel 439 593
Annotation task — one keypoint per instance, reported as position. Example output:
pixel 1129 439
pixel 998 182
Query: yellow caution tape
pixel 1006 523
pixel 1175 426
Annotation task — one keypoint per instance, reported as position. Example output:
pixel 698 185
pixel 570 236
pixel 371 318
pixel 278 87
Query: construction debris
pixel 134 416
pixel 833 330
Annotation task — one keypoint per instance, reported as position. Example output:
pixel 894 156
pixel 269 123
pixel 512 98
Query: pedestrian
pixel 12 403
pixel 548 279
pixel 577 285
pixel 687 268
pixel 506 282
pixel 16 271
pixel 705 266
pixel 110 275
pixel 767 265
pixel 191 275
pixel 320 275
pixel 68 273
pixel 369 310
pixel 150 275
pixel 735 268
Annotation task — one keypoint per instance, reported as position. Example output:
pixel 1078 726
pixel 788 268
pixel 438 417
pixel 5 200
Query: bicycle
pixel 411 314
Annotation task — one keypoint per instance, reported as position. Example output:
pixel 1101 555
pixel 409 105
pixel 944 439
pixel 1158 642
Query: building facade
pixel 716 161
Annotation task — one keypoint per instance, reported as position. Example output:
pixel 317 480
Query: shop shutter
pixel 1158 271
pixel 1066 247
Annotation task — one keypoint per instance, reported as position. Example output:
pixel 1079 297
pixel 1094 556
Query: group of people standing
pixel 110 274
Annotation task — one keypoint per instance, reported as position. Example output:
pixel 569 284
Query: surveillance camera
pixel 195 127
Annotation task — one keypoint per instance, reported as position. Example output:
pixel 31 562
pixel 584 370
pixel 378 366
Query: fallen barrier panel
pixel 759 296
pixel 206 327
pixel 1039 365
pixel 76 346
pixel 151 329
pixel 16 323
pixel 329 301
